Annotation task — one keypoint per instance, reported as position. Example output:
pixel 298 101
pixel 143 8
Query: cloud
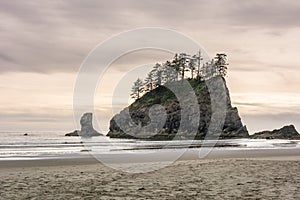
pixel 277 14
pixel 56 36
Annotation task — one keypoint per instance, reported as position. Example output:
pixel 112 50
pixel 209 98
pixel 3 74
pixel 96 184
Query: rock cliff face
pixel 139 112
pixel 87 129
pixel 286 132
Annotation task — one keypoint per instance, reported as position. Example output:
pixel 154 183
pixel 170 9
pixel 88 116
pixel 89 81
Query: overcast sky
pixel 44 43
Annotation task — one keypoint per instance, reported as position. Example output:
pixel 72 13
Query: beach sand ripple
pixel 207 179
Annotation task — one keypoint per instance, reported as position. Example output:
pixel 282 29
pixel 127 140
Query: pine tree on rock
pixel 192 65
pixel 221 64
pixel 183 60
pixel 209 70
pixel 158 74
pixel 169 73
pixel 175 64
pixel 200 71
pixel 137 89
pixel 149 82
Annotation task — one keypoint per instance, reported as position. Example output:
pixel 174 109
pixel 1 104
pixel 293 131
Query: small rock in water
pixel 25 134
pixel 85 150
pixel 74 133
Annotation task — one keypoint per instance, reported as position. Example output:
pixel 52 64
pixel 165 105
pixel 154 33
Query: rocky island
pixel 160 94
pixel 233 127
pixel 286 132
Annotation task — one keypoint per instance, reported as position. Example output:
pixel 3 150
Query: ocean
pixel 43 145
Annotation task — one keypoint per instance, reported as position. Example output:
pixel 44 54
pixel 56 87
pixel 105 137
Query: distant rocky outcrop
pixel 139 111
pixel 286 132
pixel 87 129
pixel 74 133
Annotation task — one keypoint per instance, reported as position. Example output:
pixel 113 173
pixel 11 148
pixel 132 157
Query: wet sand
pixel 264 175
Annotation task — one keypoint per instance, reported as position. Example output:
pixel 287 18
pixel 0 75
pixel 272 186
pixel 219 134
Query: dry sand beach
pixel 260 177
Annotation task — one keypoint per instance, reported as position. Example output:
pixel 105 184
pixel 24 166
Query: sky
pixel 44 43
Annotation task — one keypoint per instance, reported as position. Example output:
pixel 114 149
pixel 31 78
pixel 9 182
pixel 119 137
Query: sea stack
pixel 139 111
pixel 87 129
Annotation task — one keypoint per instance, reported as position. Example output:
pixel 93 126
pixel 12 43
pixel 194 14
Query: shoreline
pixel 146 157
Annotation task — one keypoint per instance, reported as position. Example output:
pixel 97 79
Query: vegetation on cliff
pixel 182 66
